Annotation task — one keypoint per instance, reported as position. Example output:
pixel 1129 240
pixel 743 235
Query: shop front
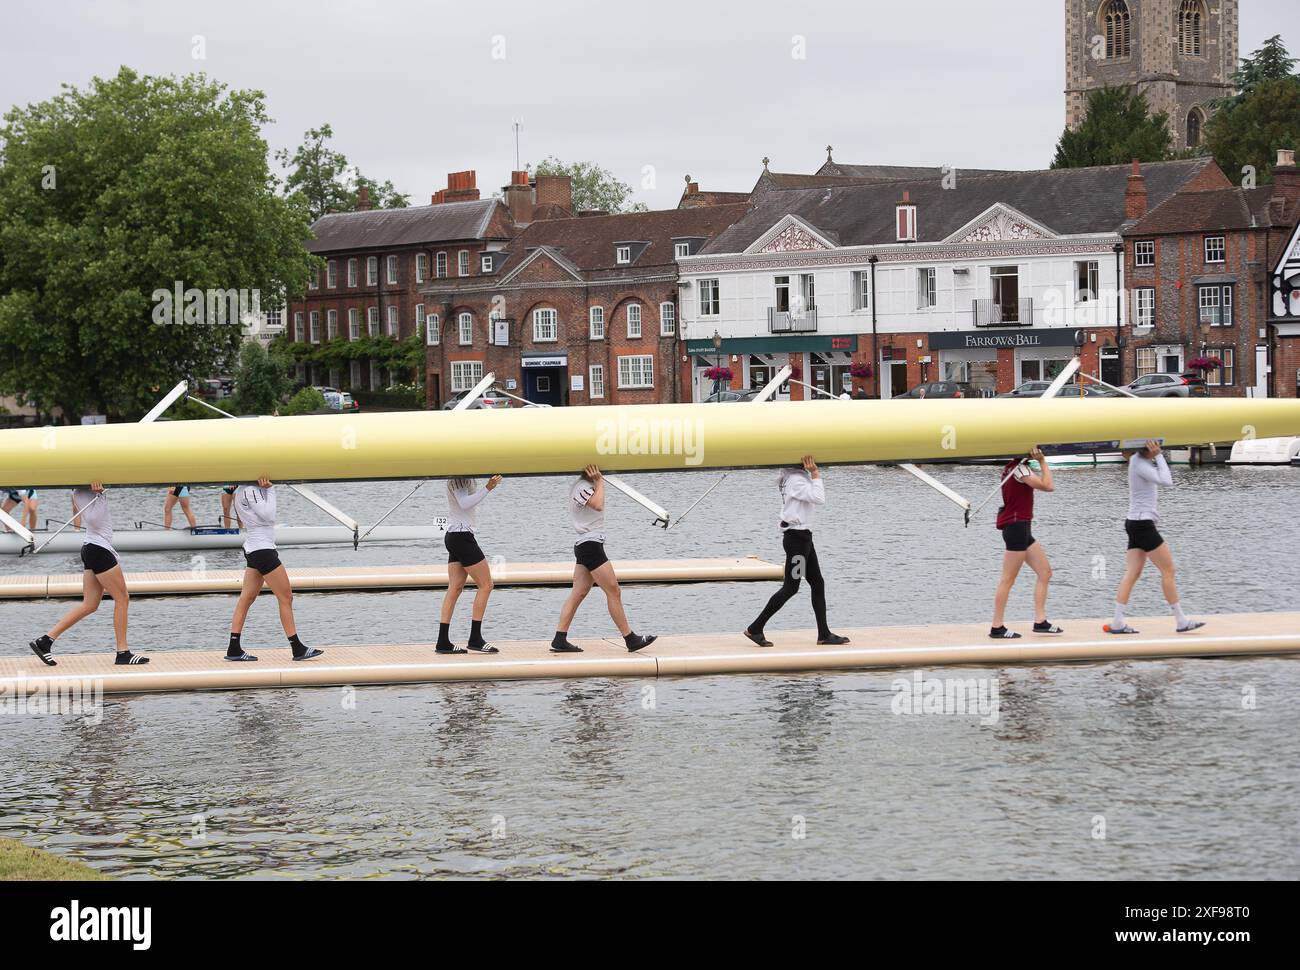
pixel 998 360
pixel 821 361
pixel 545 378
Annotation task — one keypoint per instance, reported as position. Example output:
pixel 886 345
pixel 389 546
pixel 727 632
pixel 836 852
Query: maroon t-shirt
pixel 1017 497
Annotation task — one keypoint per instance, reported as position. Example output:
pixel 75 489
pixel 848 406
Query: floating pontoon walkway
pixel 77 675
pixel 319 579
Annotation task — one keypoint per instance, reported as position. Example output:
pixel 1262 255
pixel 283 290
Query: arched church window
pixel 1118 25
pixel 1191 16
pixel 1195 122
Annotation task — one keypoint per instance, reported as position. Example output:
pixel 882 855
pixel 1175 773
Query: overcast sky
pixel 416 89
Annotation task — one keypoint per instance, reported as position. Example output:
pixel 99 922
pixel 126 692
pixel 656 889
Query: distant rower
pixel 1015 519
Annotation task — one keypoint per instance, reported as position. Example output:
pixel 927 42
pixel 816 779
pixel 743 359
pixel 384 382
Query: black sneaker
pixel 833 640
pixel 1002 633
pixel 564 646
pixel 449 648
pixel 1047 627
pixel 483 648
pixel 757 639
pixel 243 657
pixel 126 658
pixel 639 642
pixel 41 647
pixel 310 655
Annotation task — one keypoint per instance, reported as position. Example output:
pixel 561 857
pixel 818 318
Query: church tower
pixel 1180 53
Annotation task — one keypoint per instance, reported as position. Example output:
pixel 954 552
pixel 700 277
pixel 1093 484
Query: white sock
pixel 1179 615
pixel 1118 622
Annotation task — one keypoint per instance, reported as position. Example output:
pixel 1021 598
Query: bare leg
pixel 189 514
pixel 91 596
pixel 1036 556
pixel 227 503
pixel 607 581
pixel 455 583
pixel 278 580
pixel 114 583
pixel 1134 563
pixel 481 573
pixel 247 596
pixel 582 584
pixel 31 514
pixel 7 505
pixel 1163 560
pixel 1011 563
pixel 169 503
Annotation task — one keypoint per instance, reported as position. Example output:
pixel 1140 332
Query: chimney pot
pixel 1286 157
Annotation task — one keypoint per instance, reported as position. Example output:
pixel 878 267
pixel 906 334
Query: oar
pixel 679 518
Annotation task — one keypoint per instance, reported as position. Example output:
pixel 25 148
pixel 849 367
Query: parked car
pixel 491 398
pixel 941 389
pixel 1038 388
pixel 732 397
pixel 340 401
pixel 1169 385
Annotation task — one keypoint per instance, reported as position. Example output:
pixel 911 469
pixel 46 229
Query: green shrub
pixel 305 401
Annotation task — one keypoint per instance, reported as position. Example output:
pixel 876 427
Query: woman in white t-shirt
pixel 465 561
pixel 587 510
pixel 102 573
pixel 255 506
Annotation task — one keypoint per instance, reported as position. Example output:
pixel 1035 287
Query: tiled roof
pixel 1226 209
pixel 1066 201
pixel 899 173
pixel 375 228
pixel 588 242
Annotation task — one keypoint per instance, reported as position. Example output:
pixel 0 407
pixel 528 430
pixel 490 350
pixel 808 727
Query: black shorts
pixel 590 554
pixel 1142 534
pixel 463 548
pixel 265 561
pixel 97 559
pixel 1018 536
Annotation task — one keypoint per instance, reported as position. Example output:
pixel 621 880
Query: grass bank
pixel 19 862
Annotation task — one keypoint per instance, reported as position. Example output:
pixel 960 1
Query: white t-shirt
pixel 589 524
pixel 95 518
pixel 460 508
pixel 1144 480
pixel 800 496
pixel 256 508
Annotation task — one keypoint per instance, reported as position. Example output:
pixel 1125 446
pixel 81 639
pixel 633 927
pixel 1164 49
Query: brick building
pixel 376 261
pixel 1199 268
pixel 574 309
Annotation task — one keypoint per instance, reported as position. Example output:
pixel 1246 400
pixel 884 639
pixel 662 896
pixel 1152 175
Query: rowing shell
pixel 154 540
pixel 540 441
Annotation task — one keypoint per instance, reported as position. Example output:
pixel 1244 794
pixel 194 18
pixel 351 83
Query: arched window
pixel 1190 18
pixel 1195 122
pixel 1118 25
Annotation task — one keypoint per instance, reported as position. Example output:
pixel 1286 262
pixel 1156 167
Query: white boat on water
pixel 1266 451
pixel 200 539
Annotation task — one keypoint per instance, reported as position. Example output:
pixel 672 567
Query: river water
pixel 1171 769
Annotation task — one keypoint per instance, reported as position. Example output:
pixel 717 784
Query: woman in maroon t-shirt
pixel 1015 519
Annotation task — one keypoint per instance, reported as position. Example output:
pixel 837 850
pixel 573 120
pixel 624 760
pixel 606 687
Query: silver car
pixel 1169 385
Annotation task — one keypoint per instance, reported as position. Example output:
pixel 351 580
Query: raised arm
pixel 1156 472
pixel 467 500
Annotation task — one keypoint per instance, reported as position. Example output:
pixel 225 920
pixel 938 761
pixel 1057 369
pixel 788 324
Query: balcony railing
pixel 991 313
pixel 782 321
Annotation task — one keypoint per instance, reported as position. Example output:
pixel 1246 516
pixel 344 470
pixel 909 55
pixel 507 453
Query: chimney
pixel 555 190
pixel 1286 177
pixel 905 218
pixel 518 196
pixel 1135 195
pixel 363 199
pixel 461 187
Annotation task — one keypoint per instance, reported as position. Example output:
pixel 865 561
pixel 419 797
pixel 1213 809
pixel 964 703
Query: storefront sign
pixel 554 360
pixel 1005 339
pixel 847 343
pixel 576 382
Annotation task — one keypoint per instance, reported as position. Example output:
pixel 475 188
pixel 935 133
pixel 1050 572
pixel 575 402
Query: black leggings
pixel 800 561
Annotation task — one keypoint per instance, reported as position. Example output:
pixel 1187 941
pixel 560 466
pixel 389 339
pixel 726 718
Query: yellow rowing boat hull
pixel 531 441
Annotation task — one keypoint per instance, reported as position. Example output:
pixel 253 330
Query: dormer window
pixel 906 220
pixel 622 255
pixel 681 249
pixel 486 265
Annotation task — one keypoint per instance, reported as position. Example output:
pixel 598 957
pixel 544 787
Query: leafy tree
pixel 111 194
pixel 306 401
pixel 261 380
pixel 1272 62
pixel 1249 134
pixel 326 182
pixel 593 186
pixel 1118 128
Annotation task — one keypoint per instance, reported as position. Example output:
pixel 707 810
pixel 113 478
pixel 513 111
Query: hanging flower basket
pixel 721 374
pixel 861 371
pixel 1204 364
